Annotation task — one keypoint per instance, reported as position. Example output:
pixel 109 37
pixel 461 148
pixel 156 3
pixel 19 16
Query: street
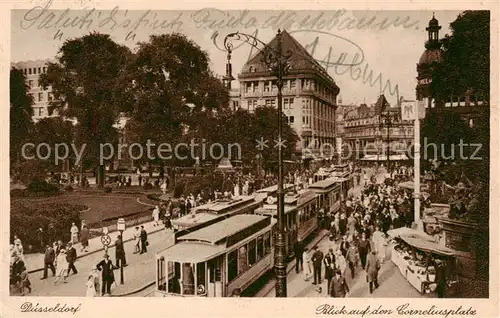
pixel 139 272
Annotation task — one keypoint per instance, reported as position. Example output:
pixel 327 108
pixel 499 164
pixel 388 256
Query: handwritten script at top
pixel 42 17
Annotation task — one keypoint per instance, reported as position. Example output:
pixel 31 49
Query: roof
pixel 323 184
pixel 193 218
pixel 220 230
pixel 272 209
pixel 299 60
pixel 191 252
pixel 381 104
pixel 274 188
pixel 420 240
pixel 218 205
pixel 431 56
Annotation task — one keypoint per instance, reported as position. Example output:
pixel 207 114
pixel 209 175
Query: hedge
pixel 55 220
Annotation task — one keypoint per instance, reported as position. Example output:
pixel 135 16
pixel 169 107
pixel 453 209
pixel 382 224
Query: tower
pixel 432 56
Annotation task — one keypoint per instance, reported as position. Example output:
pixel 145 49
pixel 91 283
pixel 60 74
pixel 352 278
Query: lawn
pixel 101 206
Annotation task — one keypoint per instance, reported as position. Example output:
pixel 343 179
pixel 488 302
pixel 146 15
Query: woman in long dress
pixel 306 260
pixel 156 216
pixel 61 266
pixel 379 243
pixel 90 287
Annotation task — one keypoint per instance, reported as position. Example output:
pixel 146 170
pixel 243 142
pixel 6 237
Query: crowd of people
pixel 358 235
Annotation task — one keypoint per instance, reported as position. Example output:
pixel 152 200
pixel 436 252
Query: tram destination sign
pixel 305 197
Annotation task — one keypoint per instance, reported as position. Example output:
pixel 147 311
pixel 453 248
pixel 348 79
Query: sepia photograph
pixel 249 153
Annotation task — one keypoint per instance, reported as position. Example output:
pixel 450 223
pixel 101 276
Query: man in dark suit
pixel 440 278
pixel 338 286
pixel 144 240
pixel 298 250
pixel 106 267
pixel 50 256
pixel 317 260
pixel 120 252
pixel 71 258
pixel 329 259
pixel 344 245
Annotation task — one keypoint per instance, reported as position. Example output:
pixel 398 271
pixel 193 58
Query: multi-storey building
pixel 41 97
pixel 309 94
pixel 375 130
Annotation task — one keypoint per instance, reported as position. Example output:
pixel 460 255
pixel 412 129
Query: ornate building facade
pixel 468 105
pixel 375 130
pixel 309 94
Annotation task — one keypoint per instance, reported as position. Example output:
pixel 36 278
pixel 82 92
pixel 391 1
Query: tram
pixel 301 216
pixel 342 174
pixel 216 260
pixel 328 192
pixel 213 210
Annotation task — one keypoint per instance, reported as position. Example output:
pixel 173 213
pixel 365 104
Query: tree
pixel 20 115
pixel 170 73
pixel 466 62
pixel 87 83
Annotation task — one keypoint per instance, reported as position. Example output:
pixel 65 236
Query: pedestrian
pixel 167 221
pixel 344 245
pixel 156 216
pixel 17 269
pixel 137 238
pixel 306 260
pixel 363 249
pixel 329 259
pixel 338 286
pixel 74 233
pixel 120 252
pixel 50 256
pixel 58 247
pixel 144 240
pixel 341 263
pixel 440 278
pixel 106 268
pixel 61 266
pixel 25 281
pixel 97 280
pixel 84 238
pixel 90 290
pixel 71 258
pixel 317 260
pixel 372 268
pixel 329 274
pixel 379 243
pixel 352 259
pixel 298 250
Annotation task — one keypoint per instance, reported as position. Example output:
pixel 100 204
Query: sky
pixel 386 43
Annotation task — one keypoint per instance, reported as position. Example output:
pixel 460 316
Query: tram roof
pixel 216 232
pixel 191 252
pixel 323 184
pixel 194 218
pixel 274 188
pixel 219 205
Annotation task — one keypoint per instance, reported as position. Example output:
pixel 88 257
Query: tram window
pixel 162 284
pixel 174 275
pixel 232 265
pixel 260 247
pixel 242 260
pixel 187 279
pixel 252 253
pixel 201 279
pixel 267 243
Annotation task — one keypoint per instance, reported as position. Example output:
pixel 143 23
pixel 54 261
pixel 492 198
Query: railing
pixel 131 220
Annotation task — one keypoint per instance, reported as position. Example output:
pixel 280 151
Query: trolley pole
pixel 276 61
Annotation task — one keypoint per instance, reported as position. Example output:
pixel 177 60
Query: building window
pixel 40 97
pixel 274 86
pixel 30 83
pixel 251 69
pixel 51 97
pixel 267 86
pixel 285 103
pixel 292 84
pixel 255 87
pixel 45 70
pixel 39 70
pixel 291 119
pixel 235 103
pixel 248 86
pixel 471 123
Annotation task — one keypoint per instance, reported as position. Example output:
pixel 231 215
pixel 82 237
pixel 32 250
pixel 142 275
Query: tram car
pixel 301 216
pixel 216 260
pixel 328 192
pixel 213 210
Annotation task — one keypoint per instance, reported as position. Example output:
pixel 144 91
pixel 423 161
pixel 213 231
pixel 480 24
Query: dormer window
pixel 252 69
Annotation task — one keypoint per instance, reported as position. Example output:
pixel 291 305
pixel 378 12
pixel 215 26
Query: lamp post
pixel 276 61
pixel 120 225
pixel 387 120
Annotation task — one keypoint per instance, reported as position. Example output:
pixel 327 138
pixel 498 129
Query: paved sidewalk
pixel 139 272
pixel 35 262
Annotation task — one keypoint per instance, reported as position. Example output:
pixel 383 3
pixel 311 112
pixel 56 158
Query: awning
pixel 420 240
